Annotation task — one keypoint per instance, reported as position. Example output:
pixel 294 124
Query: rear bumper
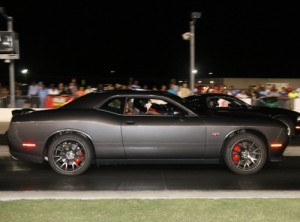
pixel 22 156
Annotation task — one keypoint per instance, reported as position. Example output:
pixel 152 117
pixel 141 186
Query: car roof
pixel 93 99
pixel 136 92
pixel 211 94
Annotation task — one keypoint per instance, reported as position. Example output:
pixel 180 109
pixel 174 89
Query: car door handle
pixel 130 122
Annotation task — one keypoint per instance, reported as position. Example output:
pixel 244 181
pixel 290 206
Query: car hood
pixel 274 111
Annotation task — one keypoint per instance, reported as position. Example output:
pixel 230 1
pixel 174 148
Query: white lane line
pixel 165 194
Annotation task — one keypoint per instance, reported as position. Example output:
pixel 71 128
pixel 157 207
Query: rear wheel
pixel 70 154
pixel 245 154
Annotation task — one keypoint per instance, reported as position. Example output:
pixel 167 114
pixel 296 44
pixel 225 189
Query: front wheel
pixel 70 154
pixel 245 154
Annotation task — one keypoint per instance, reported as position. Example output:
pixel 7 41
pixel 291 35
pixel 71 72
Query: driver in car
pixel 143 106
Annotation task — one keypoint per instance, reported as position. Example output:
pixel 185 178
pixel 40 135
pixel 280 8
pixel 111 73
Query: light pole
pixel 191 37
pixel 194 17
pixel 10 50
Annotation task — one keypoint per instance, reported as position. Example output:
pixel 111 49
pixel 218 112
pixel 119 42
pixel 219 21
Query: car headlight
pixel 298 118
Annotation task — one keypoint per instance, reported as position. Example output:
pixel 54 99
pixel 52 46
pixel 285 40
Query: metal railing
pixel 21 102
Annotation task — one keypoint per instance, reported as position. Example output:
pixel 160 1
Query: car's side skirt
pixel 156 161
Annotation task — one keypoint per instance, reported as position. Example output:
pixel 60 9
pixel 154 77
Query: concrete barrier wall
pixel 5 114
pixel 5 117
pixel 297 105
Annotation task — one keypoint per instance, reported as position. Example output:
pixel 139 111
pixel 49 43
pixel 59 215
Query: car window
pixel 216 102
pixel 224 103
pixel 150 106
pixel 113 105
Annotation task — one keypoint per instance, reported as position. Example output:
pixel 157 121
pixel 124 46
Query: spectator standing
pixel 80 91
pixel 33 89
pixel 53 91
pixel 4 93
pixel 283 97
pixel 42 94
pixel 273 92
pixel 289 88
pixel 73 87
pixel 60 88
pixel 232 91
pixel 88 89
pixel 184 90
pixel 242 95
pixel 33 94
pixel 66 91
pixel 263 92
pixel 253 95
pixel 173 87
pixel 292 96
pixel 163 88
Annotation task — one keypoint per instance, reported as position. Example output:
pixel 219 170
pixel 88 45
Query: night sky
pixel 115 40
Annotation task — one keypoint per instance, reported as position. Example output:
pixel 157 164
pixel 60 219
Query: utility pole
pixel 9 49
pixel 194 17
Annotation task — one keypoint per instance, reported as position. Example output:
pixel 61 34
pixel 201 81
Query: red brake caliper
pixel 78 158
pixel 235 154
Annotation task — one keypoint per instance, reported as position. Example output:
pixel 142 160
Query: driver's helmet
pixel 140 104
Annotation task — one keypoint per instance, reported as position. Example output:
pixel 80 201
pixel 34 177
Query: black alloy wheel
pixel 70 154
pixel 245 154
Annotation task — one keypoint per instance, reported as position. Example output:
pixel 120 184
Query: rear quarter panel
pixel 102 128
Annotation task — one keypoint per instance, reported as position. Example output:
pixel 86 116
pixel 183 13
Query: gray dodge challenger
pixel 143 127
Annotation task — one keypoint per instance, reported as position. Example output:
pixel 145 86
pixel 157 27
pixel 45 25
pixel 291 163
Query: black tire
pixel 245 154
pixel 70 154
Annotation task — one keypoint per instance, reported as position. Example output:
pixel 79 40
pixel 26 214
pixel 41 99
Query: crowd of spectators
pixel 37 92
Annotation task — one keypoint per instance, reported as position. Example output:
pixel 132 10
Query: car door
pixel 173 136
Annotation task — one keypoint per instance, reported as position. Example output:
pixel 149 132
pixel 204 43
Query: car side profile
pixel 228 103
pixel 143 127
